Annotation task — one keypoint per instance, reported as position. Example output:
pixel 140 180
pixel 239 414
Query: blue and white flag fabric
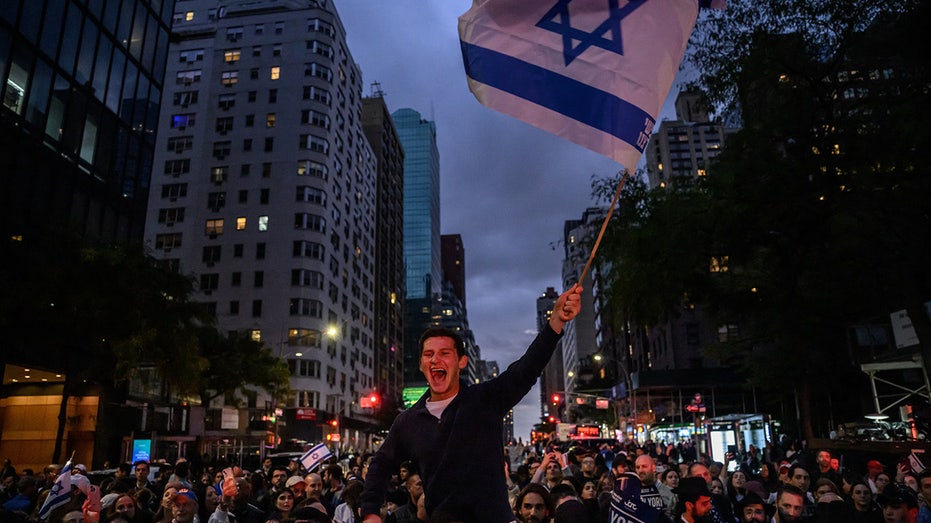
pixel 59 494
pixel 315 456
pixel 627 505
pixel 595 72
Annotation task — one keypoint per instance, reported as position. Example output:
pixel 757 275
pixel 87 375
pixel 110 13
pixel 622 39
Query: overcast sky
pixel 505 186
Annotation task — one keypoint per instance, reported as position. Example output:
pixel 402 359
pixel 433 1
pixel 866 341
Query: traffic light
pixel 557 399
pixel 370 401
pixel 334 423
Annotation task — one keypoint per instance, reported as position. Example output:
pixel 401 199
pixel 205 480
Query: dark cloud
pixel 506 186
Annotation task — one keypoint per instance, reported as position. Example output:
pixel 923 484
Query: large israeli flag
pixel 595 72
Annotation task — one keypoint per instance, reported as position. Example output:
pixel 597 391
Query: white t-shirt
pixel 436 408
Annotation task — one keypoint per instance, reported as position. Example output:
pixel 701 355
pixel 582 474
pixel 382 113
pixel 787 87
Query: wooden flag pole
pixel 604 226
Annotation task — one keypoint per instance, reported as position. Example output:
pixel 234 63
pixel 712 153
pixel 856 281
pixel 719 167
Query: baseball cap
pixel 293 480
pixel 873 464
pixel 897 494
pixel 185 493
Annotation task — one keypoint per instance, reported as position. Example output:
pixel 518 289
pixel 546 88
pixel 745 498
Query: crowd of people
pixel 545 485
pixel 179 494
pixel 576 486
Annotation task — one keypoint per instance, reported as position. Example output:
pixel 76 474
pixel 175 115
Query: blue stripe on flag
pixel 60 492
pixel 572 98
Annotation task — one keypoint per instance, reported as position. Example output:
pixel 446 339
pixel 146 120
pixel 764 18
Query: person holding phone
pixel 552 470
pixel 453 432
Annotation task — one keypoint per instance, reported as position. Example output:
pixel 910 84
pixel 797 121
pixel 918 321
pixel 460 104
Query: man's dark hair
pixel 140 462
pixel 335 471
pixel 926 473
pixel 562 490
pixel 795 467
pixel 126 468
pixel 537 489
pixel 443 332
pixel 789 489
pixel 410 466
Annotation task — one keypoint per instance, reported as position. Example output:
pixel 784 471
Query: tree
pixel 236 362
pixel 818 209
pixel 98 312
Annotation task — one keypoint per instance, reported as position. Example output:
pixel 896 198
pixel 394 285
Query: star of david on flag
pixel 59 494
pixel 595 72
pixel 315 456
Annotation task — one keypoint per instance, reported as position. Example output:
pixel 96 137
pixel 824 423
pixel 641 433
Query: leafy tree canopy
pixel 817 213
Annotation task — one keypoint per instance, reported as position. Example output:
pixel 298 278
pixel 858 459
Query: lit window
pixel 241 223
pixel 263 223
pixel 189 16
pixel 230 78
pixel 276 72
pixel 214 227
pixel 232 55
pixel 270 120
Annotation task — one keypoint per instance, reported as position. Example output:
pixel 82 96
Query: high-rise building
pixel 422 257
pixel 390 294
pixel 552 381
pixel 81 84
pixel 265 193
pixel 579 341
pixel 421 203
pixel 452 256
pixel 681 150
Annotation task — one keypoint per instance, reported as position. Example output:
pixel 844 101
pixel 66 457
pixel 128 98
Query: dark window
pixel 211 254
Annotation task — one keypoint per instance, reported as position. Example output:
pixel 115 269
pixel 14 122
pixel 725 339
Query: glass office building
pixel 421 203
pixel 80 83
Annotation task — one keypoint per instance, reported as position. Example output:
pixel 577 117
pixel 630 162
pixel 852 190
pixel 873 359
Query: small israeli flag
pixel 59 494
pixel 315 456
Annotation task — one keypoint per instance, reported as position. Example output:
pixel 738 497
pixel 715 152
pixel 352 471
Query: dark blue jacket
pixel 461 456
